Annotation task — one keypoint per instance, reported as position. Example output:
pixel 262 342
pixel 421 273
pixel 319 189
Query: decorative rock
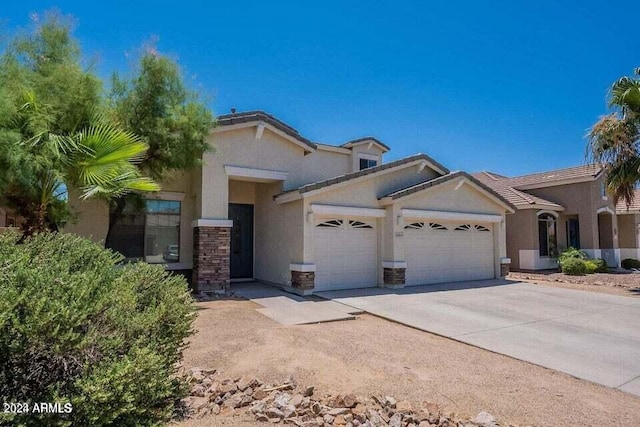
pixel 350 400
pixel 396 420
pixel 289 411
pixel 274 413
pixel 259 394
pixel 228 387
pixel 308 392
pixel 281 400
pixel 328 419
pixel 296 400
pixel 389 401
pixel 339 421
pixel 424 424
pixel 404 406
pixel 198 390
pixel 484 419
pixel 258 407
pixel 246 382
pixel 338 411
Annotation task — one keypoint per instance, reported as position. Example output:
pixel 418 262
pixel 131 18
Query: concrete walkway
pixel 290 309
pixel 588 335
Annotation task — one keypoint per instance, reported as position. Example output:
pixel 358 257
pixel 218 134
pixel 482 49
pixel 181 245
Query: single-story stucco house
pixel 270 205
pixel 565 208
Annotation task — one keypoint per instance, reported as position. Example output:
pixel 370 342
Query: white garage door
pixel 438 252
pixel 345 253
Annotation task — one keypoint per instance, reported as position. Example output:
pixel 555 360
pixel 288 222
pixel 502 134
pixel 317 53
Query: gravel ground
pixel 627 284
pixel 371 355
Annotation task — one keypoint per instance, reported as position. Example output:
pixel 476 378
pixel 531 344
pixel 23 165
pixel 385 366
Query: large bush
pixel 76 327
pixel 630 263
pixel 574 267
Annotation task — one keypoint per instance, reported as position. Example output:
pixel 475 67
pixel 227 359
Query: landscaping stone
pixel 223 397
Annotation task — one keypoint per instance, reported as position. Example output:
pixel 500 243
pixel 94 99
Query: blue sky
pixel 510 87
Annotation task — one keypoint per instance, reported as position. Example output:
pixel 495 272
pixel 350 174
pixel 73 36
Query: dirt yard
pixel 626 284
pixel 370 355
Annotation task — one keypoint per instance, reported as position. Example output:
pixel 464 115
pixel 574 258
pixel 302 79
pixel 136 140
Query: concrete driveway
pixel 588 335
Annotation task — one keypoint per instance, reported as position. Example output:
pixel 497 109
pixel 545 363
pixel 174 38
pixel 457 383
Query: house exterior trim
pixel 450 216
pixel 347 211
pixel 302 267
pixel 212 223
pixel 253 174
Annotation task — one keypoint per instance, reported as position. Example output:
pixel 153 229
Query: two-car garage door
pixel 438 252
pixel 345 253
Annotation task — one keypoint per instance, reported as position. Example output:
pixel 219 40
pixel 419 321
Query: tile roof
pixel 262 116
pixel 576 172
pixel 353 142
pixel 621 206
pixel 520 199
pixel 258 115
pixel 439 180
pixel 364 172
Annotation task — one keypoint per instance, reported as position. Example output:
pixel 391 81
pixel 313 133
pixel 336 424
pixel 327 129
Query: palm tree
pixel 100 161
pixel 614 141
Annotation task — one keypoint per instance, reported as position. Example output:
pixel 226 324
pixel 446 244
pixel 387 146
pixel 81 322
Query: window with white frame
pixel 368 161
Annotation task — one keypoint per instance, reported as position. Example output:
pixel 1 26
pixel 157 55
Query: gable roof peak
pixel 365 139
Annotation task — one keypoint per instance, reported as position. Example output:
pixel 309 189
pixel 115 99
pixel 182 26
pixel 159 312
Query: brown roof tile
pixel 621 206
pixel 427 184
pixel 342 178
pixel 576 172
pixel 518 198
pixel 261 116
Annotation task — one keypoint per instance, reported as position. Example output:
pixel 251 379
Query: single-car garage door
pixel 438 252
pixel 345 253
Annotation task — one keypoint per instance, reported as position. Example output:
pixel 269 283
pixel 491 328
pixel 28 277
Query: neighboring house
pixel 271 205
pixel 560 209
pixel 629 224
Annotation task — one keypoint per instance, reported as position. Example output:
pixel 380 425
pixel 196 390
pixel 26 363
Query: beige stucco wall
pixel 374 150
pixel 271 152
pixel 522 233
pixel 365 193
pixel 90 218
pixel 582 199
pixel 278 235
pixel 628 230
pixel 243 192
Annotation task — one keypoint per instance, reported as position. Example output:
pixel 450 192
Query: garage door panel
pixel 447 254
pixel 345 256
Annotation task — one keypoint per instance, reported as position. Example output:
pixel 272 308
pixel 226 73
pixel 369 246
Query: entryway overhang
pixel 241 173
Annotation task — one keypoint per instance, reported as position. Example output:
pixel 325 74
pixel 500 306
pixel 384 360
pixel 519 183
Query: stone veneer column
pixel 303 277
pixel 504 266
pixel 211 255
pixel 394 273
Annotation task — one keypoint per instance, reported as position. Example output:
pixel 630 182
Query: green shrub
pixel 630 263
pixel 78 328
pixel 591 266
pixel 574 267
pixel 601 265
pixel 572 253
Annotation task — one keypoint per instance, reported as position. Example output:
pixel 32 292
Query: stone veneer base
pixel 394 277
pixel 211 259
pixel 504 270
